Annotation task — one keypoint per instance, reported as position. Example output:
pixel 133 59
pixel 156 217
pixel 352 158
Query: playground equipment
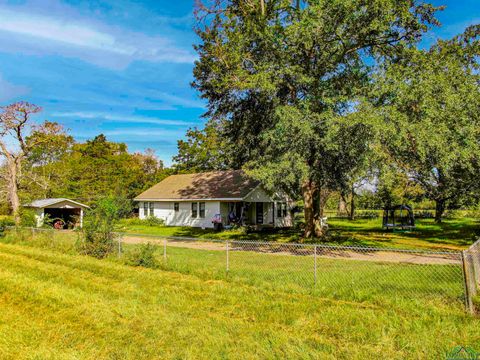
pixel 398 217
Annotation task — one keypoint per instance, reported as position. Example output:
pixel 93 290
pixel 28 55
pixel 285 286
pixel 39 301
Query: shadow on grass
pixel 451 234
pixel 280 235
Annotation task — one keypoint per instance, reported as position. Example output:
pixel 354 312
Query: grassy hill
pixel 59 306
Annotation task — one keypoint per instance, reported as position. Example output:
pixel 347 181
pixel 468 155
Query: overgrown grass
pixel 340 278
pixel 453 234
pixel 350 280
pixel 59 306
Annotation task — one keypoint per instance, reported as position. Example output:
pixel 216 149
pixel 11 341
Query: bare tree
pixel 15 126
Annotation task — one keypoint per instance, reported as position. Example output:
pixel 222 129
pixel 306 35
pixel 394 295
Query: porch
pixel 256 214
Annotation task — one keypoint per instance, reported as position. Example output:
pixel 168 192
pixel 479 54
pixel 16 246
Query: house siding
pixel 286 221
pixel 258 195
pixel 165 210
pixel 183 217
pixel 39 217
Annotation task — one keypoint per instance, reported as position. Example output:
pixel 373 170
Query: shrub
pixel 7 221
pixel 143 255
pixel 28 218
pixel 154 221
pixel 97 237
pixel 4 223
pixel 149 221
pixel 131 222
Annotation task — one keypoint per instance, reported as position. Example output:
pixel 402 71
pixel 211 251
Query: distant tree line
pixel 44 161
pixel 321 97
pixel 314 98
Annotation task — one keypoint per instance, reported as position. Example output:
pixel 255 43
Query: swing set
pixel 398 217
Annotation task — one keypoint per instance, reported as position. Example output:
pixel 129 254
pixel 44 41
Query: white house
pixel 225 197
pixel 64 212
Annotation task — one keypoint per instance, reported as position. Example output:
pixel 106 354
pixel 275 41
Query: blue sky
pixel 120 67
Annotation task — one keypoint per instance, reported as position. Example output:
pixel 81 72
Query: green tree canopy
pixel 280 78
pixel 204 150
pixel 429 105
pixel 42 170
pixel 99 168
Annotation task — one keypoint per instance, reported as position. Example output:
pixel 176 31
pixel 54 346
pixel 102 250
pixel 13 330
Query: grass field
pixel 452 234
pixel 61 306
pixel 339 277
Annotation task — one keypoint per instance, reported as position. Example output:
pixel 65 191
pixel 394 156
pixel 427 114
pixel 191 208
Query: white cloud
pixel 159 134
pixel 177 100
pixel 122 118
pixel 52 29
pixel 99 44
pixel 9 91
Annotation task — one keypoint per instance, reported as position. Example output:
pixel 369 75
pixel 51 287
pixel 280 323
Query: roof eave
pixel 187 199
pixel 56 202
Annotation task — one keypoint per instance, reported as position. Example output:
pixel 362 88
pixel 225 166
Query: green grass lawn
pixel 62 306
pixel 452 234
pixel 135 227
pixel 341 277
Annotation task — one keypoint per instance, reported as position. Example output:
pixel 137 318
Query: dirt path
pixel 285 249
pixel 191 244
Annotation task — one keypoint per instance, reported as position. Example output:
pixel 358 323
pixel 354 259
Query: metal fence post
pixel 315 264
pixel 165 250
pixel 228 259
pixel 466 282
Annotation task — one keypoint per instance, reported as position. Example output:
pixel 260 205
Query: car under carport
pixel 62 213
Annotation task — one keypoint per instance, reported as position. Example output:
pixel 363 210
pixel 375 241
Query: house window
pixel 145 209
pixel 176 207
pixel 279 210
pixel 202 210
pixel 194 210
pixel 151 207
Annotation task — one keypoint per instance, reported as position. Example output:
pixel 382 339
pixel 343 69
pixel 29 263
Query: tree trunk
pixel 352 205
pixel 439 210
pixel 308 190
pixel 342 206
pixel 321 197
pixel 13 190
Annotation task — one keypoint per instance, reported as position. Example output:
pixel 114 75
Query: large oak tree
pixel 281 78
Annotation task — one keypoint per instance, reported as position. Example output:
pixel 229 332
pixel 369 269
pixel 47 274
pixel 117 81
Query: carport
pixel 61 213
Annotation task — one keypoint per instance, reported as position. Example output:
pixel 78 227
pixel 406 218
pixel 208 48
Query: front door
pixel 259 211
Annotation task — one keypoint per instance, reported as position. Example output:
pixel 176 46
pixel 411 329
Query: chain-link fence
pixel 344 272
pixel 351 271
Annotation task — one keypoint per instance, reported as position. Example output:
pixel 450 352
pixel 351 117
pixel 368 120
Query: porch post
pixel 273 213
